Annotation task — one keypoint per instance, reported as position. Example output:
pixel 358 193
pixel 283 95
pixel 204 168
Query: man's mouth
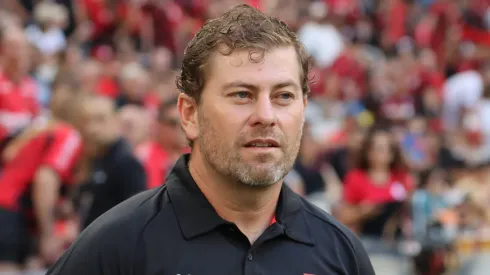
pixel 262 143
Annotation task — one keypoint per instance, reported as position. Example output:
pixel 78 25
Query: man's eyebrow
pixel 285 84
pixel 242 84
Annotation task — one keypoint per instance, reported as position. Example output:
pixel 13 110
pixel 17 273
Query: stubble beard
pixel 228 161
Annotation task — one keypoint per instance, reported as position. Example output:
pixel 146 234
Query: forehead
pixel 381 137
pixel 254 67
pixel 97 106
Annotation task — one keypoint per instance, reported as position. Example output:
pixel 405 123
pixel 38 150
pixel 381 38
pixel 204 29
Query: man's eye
pixel 242 95
pixel 286 96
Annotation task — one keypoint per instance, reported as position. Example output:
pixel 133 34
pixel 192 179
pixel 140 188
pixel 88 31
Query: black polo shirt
pixel 174 230
pixel 116 176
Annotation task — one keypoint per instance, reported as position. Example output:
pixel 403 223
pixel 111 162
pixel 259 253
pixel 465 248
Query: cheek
pixel 226 124
pixel 291 123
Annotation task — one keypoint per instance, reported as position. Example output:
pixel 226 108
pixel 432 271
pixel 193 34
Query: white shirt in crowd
pixel 323 41
pixel 461 91
pixel 50 42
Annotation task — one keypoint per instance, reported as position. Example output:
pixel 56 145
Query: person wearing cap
pixel 224 208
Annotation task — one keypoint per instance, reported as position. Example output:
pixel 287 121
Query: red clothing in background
pixel 447 16
pixel 476 35
pixel 58 148
pixel 255 3
pixel 163 33
pixel 101 16
pixel 107 86
pixel 152 102
pixel 155 161
pixel 398 108
pixel 18 105
pixel 359 188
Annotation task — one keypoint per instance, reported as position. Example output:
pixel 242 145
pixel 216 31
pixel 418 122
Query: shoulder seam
pixel 337 228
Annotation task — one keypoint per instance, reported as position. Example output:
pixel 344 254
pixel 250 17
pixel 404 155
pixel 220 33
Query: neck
pixel 250 208
pixel 13 75
pixel 104 148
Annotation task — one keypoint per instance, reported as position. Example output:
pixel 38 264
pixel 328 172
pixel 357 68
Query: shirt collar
pixel 196 216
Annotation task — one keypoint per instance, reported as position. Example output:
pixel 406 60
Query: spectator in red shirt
pixel 375 191
pixel 160 154
pixel 31 180
pixel 18 92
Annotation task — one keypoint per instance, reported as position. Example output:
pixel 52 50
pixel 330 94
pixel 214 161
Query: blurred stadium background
pixel 397 140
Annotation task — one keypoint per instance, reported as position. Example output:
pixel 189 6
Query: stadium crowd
pixel 396 142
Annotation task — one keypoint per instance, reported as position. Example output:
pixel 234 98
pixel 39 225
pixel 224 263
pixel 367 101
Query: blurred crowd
pixel 396 142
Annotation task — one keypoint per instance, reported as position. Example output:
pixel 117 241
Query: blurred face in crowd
pixel 60 99
pixel 90 72
pixel 134 82
pixel 73 56
pixel 250 117
pixel 437 183
pixel 417 125
pixel 169 130
pixel 161 60
pixel 380 82
pixel 355 140
pixel 380 153
pixel 15 51
pixel 428 60
pixel 98 122
pixel 134 124
pixel 431 100
pixel 135 88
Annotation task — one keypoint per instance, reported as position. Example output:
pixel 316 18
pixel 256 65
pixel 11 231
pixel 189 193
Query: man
pixel 224 208
pixel 40 161
pixel 134 83
pixel 159 155
pixel 134 124
pixel 116 173
pixel 18 92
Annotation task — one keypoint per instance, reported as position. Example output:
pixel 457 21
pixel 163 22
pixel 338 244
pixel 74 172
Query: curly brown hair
pixel 242 27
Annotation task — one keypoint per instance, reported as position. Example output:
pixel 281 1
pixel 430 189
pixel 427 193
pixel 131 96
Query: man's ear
pixel 188 116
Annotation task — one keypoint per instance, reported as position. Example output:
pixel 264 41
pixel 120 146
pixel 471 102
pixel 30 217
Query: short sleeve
pixel 352 192
pixel 63 153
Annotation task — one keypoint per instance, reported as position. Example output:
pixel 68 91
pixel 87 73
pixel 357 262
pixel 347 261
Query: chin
pixel 265 174
pixel 265 158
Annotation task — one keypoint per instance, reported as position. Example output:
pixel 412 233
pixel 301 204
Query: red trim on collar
pixel 273 221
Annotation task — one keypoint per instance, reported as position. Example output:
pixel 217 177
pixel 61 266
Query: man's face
pixel 60 97
pixel 251 116
pixel 15 50
pixel 170 131
pixel 134 124
pixel 98 122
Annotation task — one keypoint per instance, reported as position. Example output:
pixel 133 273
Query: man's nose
pixel 264 112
